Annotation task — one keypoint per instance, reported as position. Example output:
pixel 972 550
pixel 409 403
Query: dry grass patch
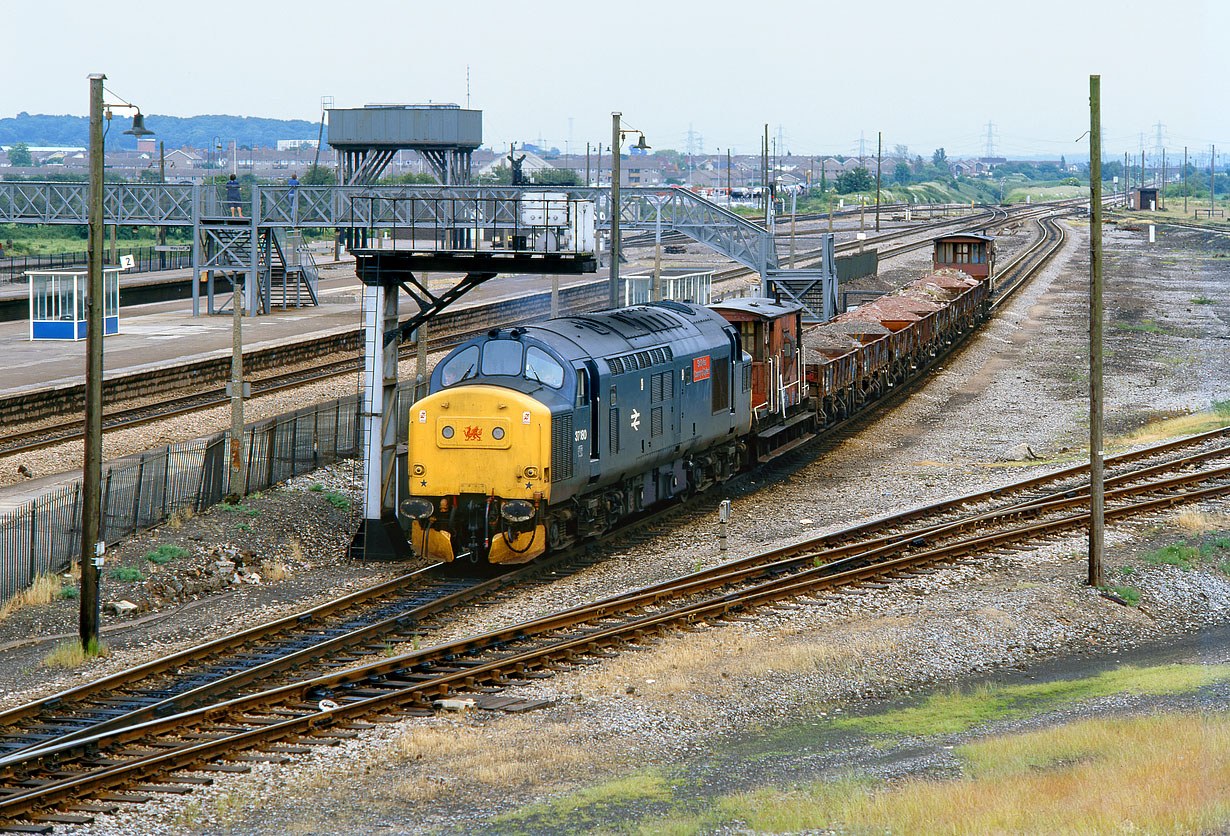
pixel 44 590
pixel 274 570
pixel 1162 774
pixel 181 516
pixel 1201 522
pixel 1197 422
pixel 295 551
pixel 71 654
pixel 693 667
pixel 512 753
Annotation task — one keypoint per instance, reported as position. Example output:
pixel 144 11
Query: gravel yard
pixel 736 695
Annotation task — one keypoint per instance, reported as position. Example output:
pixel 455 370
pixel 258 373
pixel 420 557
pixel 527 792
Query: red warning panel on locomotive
pixel 700 368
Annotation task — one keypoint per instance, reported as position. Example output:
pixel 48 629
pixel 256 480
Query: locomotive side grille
pixel 668 386
pixel 655 388
pixel 614 430
pixel 747 377
pixel 616 365
pixel 655 421
pixel 561 447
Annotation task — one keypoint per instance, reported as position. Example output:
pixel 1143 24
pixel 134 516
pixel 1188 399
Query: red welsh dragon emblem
pixel 474 433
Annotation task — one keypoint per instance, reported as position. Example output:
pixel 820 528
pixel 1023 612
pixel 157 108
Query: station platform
pixel 164 333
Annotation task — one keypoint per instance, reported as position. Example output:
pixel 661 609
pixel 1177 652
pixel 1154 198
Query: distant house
pixel 970 168
pixel 183 158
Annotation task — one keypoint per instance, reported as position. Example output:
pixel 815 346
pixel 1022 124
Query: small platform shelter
pixel 970 252
pixel 58 303
pixel 1144 199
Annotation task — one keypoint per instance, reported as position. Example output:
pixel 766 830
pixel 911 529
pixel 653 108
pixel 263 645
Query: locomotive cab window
pixel 543 367
pixel 460 366
pixel 502 357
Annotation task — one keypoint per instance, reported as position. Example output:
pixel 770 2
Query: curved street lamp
pixel 92 545
pixel 617 135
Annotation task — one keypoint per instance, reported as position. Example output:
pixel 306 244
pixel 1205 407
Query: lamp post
pixel 92 544
pixel 217 148
pixel 616 135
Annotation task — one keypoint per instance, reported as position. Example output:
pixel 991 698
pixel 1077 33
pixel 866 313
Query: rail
pixel 58 774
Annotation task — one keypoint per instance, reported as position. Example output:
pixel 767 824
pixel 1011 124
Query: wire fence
pixel 148 260
pixel 141 491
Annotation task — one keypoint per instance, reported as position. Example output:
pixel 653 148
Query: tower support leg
pixel 380 536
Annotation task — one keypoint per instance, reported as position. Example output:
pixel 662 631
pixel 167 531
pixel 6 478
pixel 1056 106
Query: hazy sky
pixel 927 74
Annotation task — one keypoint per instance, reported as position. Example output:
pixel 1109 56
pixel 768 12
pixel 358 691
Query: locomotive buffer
pixel 538 233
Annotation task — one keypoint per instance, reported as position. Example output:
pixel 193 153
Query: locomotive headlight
pixel 531 472
pixel 517 510
pixel 447 431
pixel 497 433
pixel 417 508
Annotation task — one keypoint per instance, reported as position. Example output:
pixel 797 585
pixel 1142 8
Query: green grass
pixel 588 805
pixel 68 592
pixel 126 574
pixel 956 711
pixel 244 527
pixel 1202 300
pixel 1128 593
pixel 1185 554
pixel 1160 774
pixel 337 500
pixel 166 553
pixel 317 488
pixel 239 509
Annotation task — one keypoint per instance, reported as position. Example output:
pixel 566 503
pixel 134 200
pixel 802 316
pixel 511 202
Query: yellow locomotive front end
pixel 479 475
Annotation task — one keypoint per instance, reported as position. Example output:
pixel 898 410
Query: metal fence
pixel 144 490
pixel 149 260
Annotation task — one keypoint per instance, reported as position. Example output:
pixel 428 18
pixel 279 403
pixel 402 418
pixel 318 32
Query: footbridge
pixel 249 240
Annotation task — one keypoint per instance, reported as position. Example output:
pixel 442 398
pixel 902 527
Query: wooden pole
pixel 613 299
pixel 879 162
pixel 91 474
pixel 1097 520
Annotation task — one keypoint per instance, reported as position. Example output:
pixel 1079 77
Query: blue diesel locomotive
pixel 535 437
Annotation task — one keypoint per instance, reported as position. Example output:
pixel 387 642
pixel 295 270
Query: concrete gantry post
pixel 378 415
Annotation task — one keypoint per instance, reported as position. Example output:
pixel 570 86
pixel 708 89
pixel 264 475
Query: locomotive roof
pixel 606 333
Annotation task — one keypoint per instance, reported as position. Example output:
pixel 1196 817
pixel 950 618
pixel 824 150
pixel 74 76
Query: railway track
pixel 70 430
pixel 123 762
pixel 73 779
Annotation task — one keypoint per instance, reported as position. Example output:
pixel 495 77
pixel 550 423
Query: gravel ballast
pixel 1020 380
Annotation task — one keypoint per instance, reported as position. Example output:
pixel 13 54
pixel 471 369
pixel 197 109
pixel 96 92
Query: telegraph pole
pixel 614 288
pixel 879 161
pixel 1162 193
pixel 238 479
pixel 764 168
pixel 1097 519
pixel 1212 179
pixel 1185 180
pixel 92 545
